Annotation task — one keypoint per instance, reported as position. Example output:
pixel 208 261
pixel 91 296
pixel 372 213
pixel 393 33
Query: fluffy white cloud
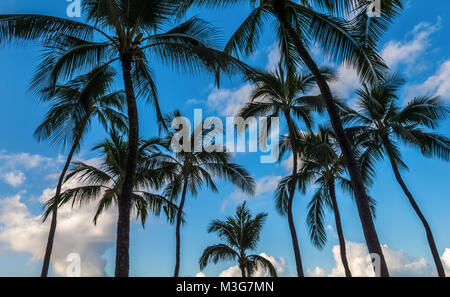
pixel 399 263
pixel 436 84
pixel 407 52
pixel 279 264
pixel 15 178
pixel 446 260
pixel 346 83
pixel 233 271
pixel 228 101
pixel 316 272
pixel 200 274
pixel 21 231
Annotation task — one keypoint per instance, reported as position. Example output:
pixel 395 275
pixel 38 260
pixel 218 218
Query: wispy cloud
pixel 407 52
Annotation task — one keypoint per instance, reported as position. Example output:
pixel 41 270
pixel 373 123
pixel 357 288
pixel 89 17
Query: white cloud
pixel 194 101
pixel 263 185
pixel 200 274
pixel 273 57
pixel 279 264
pixel 407 52
pixel 436 84
pixel 316 272
pixel 21 231
pixel 287 164
pixel 15 178
pixel 446 260
pixel 233 271
pixel 228 101
pixel 399 263
pixel 23 160
pixel 346 83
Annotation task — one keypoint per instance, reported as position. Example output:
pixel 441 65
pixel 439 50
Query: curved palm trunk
pixel 365 215
pixel 178 230
pixel 434 251
pixel 52 232
pixel 124 204
pixel 298 258
pixel 340 233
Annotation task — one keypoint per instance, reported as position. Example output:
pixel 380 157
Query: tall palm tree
pixel 73 107
pixel 323 165
pixel 383 124
pixel 128 32
pixel 190 169
pixel 279 94
pixel 306 23
pixel 240 234
pixel 104 182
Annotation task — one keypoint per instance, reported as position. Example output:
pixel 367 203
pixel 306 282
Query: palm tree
pixel 126 32
pixel 384 124
pixel 73 107
pixel 279 94
pixel 190 169
pixel 353 42
pixel 104 182
pixel 322 164
pixel 240 234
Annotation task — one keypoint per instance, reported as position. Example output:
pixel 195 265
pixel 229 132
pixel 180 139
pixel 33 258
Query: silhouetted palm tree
pixel 104 182
pixel 196 165
pixel 240 234
pixel 310 22
pixel 73 107
pixel 126 32
pixel 384 124
pixel 278 94
pixel 323 165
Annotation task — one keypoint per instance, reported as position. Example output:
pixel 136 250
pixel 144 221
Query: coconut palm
pixel 103 182
pixel 323 165
pixel 240 234
pixel 128 32
pixel 384 124
pixel 278 94
pixel 73 108
pixel 195 164
pixel 303 24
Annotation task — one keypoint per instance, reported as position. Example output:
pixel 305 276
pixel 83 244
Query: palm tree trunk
pixel 52 232
pixel 298 258
pixel 178 230
pixel 242 271
pixel 365 215
pixel 124 204
pixel 434 251
pixel 340 233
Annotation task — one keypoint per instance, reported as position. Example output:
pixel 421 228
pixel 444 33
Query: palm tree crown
pixel 104 182
pixel 383 124
pixel 191 169
pixel 240 234
pixel 285 93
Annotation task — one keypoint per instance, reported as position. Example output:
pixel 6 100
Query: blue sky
pixel 416 46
